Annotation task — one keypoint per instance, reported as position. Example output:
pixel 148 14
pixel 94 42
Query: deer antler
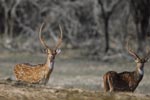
pixel 60 38
pixel 41 38
pixel 132 52
pixel 147 55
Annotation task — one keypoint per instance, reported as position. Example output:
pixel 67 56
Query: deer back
pixel 30 73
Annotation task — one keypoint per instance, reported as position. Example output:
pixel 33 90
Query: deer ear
pixel 147 60
pixel 43 50
pixel 137 60
pixel 58 51
pixel 46 50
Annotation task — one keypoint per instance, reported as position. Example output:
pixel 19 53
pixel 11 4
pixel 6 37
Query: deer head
pixel 140 61
pixel 51 52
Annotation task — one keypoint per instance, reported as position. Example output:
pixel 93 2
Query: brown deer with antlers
pixel 38 73
pixel 126 81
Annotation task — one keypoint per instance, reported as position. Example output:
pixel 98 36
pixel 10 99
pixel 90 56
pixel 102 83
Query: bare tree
pixel 106 14
pixel 140 10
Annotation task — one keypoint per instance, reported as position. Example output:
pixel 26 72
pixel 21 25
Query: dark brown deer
pixel 126 81
pixel 39 73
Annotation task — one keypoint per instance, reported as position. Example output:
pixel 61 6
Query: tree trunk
pixel 106 34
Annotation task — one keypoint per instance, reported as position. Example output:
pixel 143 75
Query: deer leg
pixel 44 81
pixel 105 82
pixel 110 82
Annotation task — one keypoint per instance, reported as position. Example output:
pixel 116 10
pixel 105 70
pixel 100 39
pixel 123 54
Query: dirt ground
pixel 73 78
pixel 16 92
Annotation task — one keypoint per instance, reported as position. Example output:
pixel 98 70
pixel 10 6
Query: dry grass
pixel 8 92
pixel 77 79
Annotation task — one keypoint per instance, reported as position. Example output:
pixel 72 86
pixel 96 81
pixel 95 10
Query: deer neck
pixel 139 73
pixel 140 68
pixel 50 62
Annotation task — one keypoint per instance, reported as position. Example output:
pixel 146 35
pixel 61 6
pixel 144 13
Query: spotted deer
pixel 126 81
pixel 40 73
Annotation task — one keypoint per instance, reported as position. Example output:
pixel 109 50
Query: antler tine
pixel 131 52
pixel 41 38
pixel 147 55
pixel 60 38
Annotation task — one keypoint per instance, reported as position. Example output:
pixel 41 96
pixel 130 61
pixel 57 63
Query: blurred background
pixel 100 26
pixel 95 33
